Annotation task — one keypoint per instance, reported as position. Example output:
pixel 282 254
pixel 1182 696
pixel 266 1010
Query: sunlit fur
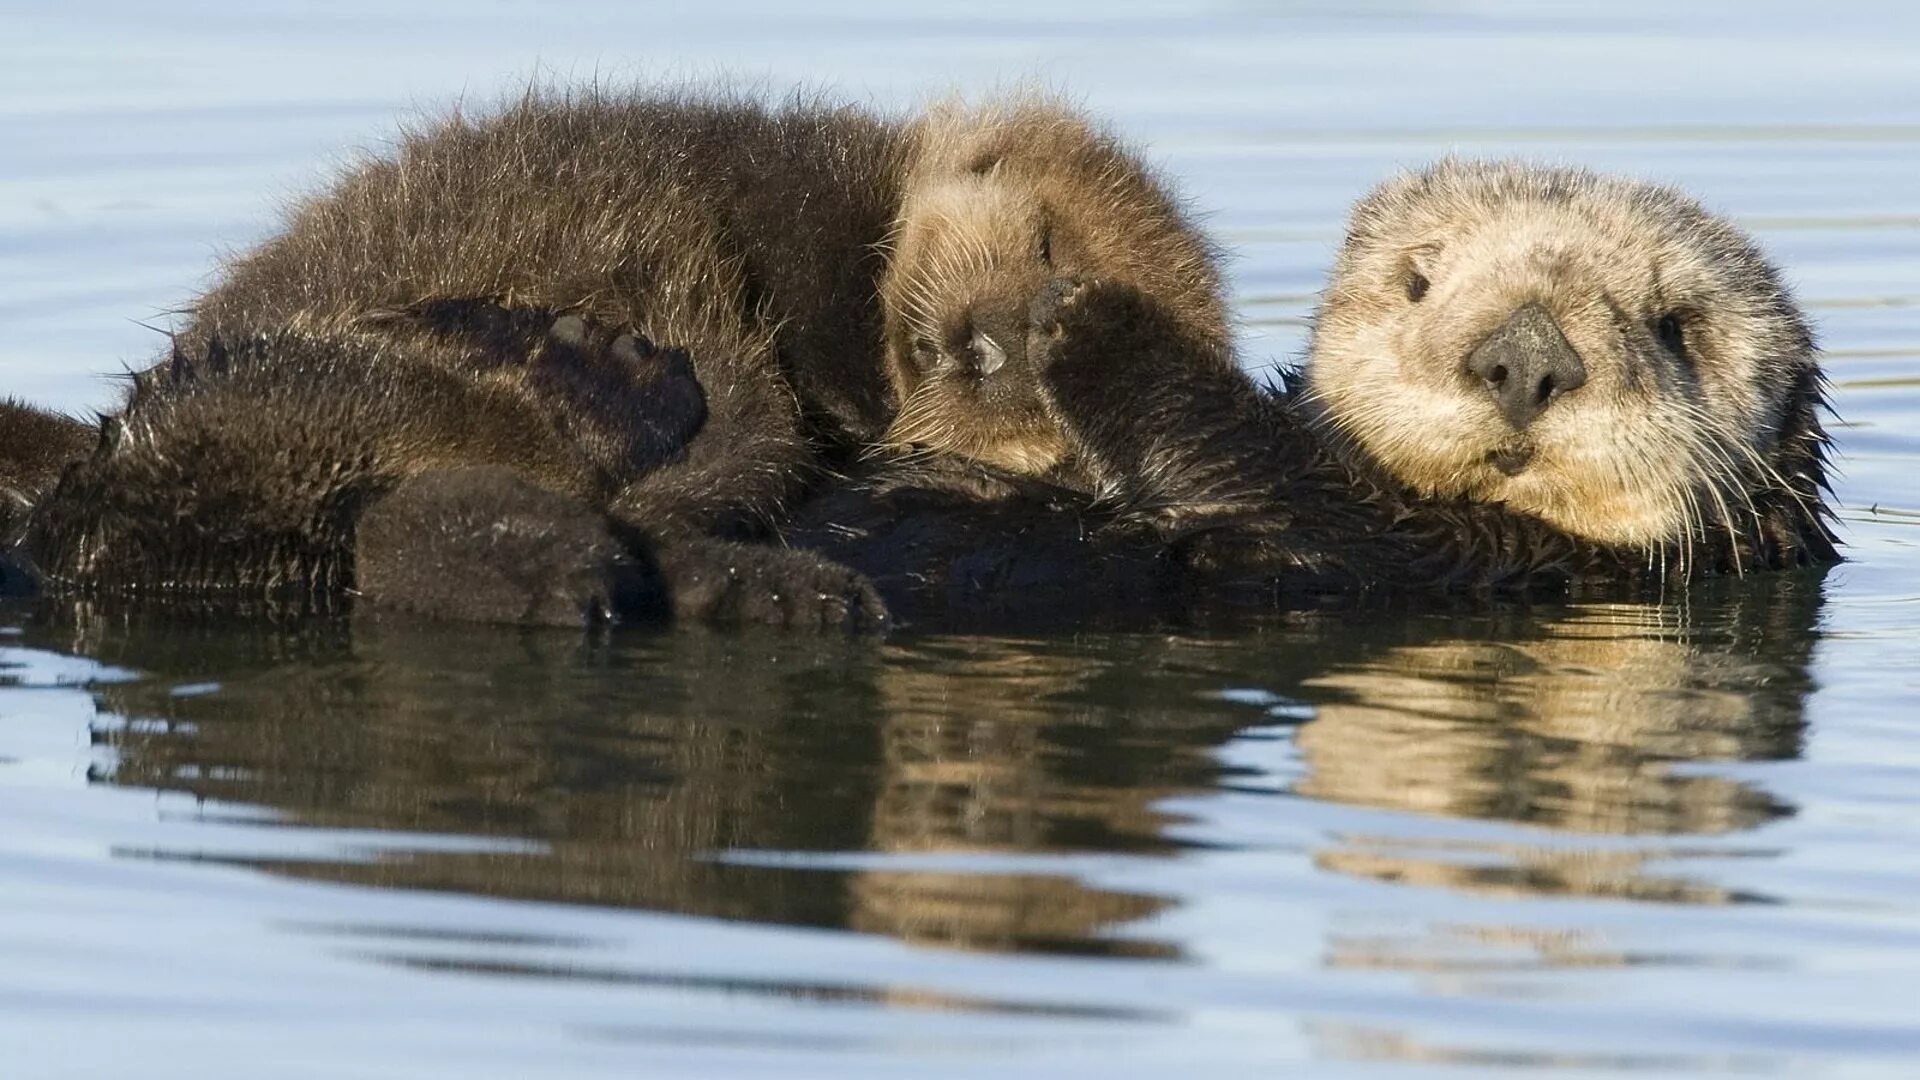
pixel 998 200
pixel 1660 447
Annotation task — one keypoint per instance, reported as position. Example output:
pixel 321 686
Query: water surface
pixel 1665 839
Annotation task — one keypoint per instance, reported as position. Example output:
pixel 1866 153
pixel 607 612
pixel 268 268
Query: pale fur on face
pixel 1659 445
pixel 1001 198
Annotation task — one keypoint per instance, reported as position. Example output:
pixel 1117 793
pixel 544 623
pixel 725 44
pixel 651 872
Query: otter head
pixel 1000 200
pixel 1599 353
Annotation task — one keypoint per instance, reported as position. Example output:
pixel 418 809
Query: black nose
pixel 997 339
pixel 1527 364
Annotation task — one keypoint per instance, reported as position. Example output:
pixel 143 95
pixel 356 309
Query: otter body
pixel 491 296
pixel 1521 379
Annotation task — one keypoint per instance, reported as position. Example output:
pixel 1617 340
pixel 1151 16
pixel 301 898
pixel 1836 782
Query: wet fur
pixel 1214 489
pixel 490 294
pixel 1234 493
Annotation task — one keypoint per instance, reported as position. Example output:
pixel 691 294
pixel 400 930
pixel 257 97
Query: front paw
pixel 1090 332
pixel 726 583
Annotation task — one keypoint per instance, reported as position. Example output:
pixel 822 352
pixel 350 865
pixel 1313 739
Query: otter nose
pixel 1527 364
pixel 988 356
pixel 996 341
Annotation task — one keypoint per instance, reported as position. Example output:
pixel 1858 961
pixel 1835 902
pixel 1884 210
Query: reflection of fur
pixel 1575 726
pixel 491 295
pixel 684 749
pixel 972 762
pixel 372 726
pixel 1572 725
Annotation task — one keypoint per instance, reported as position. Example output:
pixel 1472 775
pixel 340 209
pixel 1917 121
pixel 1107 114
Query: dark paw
pixel 1052 312
pixel 632 405
pixel 1089 331
pixel 485 545
pixel 727 583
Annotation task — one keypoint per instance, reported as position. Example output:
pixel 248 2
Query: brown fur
pixel 1658 469
pixel 1001 202
pixel 490 294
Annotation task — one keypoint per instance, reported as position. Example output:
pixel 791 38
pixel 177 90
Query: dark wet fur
pixel 35 446
pixel 471 326
pixel 490 295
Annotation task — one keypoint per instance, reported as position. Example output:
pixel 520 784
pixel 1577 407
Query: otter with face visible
pixel 1601 354
pixel 488 298
pixel 1520 377
pixel 1206 481
pixel 999 206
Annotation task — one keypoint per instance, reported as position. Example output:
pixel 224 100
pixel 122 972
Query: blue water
pixel 1667 839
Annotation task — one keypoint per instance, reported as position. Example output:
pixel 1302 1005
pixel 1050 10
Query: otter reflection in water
pixel 731 777
pixel 1576 726
pixel 652 773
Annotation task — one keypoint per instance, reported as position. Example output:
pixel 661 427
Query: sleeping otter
pixel 1520 377
pixel 490 297
pixel 1211 487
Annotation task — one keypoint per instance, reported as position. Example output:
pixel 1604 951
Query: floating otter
pixel 1208 486
pixel 1521 377
pixel 489 298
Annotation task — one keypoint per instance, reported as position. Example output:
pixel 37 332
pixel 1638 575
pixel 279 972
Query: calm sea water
pixel 1675 839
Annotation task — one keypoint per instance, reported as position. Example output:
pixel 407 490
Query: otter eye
pixel 1671 329
pixel 1417 285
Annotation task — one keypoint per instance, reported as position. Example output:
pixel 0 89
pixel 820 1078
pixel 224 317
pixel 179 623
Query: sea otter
pixel 1209 485
pixel 1519 377
pixel 499 295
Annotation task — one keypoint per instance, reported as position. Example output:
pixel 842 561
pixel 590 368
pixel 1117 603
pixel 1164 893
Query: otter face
pixel 970 254
pixel 1599 353
pixel 1000 200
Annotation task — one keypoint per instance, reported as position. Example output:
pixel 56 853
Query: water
pixel 1672 839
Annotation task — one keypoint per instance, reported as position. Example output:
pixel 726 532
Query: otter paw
pixel 631 404
pixel 1052 310
pixel 1089 330
pixel 727 583
pixel 484 544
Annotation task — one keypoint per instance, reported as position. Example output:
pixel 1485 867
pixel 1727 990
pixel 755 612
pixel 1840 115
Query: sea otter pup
pixel 1519 377
pixel 489 297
